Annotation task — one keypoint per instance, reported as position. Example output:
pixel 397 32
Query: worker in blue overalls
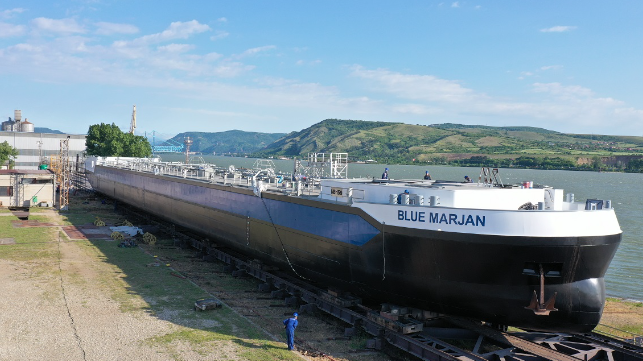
pixel 290 324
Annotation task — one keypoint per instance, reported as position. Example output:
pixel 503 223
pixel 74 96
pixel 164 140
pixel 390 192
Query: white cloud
pixel 209 112
pixel 231 69
pixel 420 87
pixel 6 14
pixel 212 57
pixel 563 92
pixel 176 30
pixel 222 20
pixel 558 29
pixel 139 48
pixel 311 62
pixel 104 28
pixel 60 26
pixel 60 58
pixel 269 81
pixel 551 67
pixel 254 51
pixel 417 109
pixel 455 4
pixel 10 30
pixel 25 48
pixel 219 34
pixel 555 106
pixel 176 48
pixel 630 113
pixel 536 73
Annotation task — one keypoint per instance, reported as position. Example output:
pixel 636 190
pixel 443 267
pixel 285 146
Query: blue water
pixel 624 277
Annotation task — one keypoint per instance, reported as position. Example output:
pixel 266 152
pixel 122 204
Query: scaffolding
pixel 64 175
pixel 54 166
pixel 324 165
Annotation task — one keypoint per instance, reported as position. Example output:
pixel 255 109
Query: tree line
pixel 548 163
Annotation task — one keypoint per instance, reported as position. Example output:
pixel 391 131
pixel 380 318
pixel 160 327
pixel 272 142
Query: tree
pixel 106 140
pixel 136 146
pixel 7 153
pixel 597 163
pixel 635 166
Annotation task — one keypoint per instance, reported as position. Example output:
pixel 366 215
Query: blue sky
pixel 281 66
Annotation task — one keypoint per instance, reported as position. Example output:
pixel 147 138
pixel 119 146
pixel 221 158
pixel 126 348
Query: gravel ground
pixel 53 309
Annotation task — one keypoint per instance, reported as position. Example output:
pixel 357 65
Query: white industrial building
pixel 34 147
pixel 26 188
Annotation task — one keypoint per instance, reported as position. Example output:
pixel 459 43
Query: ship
pixel 523 255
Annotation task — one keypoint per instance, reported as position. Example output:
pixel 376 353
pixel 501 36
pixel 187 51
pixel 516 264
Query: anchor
pixel 542 308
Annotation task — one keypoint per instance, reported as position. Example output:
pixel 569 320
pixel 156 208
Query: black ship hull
pixel 487 277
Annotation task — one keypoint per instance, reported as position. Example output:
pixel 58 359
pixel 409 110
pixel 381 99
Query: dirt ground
pixel 60 308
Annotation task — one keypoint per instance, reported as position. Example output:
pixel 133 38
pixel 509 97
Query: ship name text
pixel 442 218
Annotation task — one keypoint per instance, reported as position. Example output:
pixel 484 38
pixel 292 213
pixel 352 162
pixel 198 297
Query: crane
pixel 171 146
pixel 132 125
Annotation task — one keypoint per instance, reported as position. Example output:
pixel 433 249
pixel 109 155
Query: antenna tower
pixel 41 159
pixel 188 143
pixel 132 125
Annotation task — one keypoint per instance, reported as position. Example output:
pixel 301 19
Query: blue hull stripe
pixel 342 227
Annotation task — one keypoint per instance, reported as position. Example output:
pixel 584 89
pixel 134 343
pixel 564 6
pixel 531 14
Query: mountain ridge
pixel 230 141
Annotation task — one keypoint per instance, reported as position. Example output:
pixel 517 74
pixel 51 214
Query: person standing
pixel 400 196
pixel 290 324
pixel 385 174
pixel 427 176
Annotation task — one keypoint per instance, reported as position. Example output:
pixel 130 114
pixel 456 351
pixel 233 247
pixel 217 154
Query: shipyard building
pixel 27 188
pixel 34 147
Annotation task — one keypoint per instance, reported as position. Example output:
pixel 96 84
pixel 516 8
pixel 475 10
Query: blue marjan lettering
pixel 412 216
pixel 439 218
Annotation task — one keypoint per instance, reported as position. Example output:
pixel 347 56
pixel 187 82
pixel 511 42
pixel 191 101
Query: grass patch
pixel 32 243
pixel 84 211
pixel 622 318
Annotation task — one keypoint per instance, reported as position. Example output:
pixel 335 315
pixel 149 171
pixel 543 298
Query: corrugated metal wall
pixel 28 147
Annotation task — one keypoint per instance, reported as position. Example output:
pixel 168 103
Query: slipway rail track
pixel 443 338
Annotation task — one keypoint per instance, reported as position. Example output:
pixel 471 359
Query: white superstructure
pixel 474 208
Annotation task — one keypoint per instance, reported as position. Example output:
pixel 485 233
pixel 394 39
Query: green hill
pixel 330 135
pixel 458 144
pixel 407 143
pixel 231 141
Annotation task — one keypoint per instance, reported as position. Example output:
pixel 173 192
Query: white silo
pixel 26 126
pixel 8 126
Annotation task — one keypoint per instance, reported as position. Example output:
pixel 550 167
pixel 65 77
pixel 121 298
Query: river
pixel 624 278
